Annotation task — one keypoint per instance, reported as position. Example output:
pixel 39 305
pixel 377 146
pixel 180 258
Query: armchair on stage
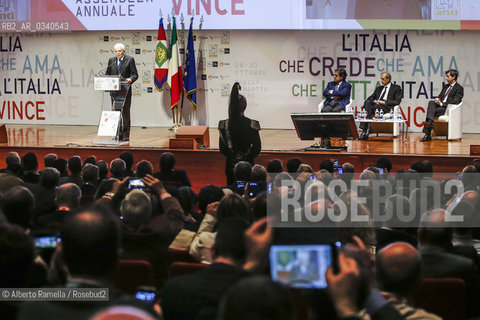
pixel 111 119
pixel 450 124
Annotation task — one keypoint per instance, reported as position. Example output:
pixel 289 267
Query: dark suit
pixel 394 97
pixel 44 199
pixel 434 110
pixel 74 178
pixel 343 92
pixel 175 177
pixel 128 69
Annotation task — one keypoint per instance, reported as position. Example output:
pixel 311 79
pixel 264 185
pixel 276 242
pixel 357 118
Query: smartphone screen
pixel 136 184
pixel 240 187
pixel 254 188
pixel 301 266
pixel 145 295
pixel 335 165
pixel 340 170
pixel 380 170
pixel 46 241
pixel 270 187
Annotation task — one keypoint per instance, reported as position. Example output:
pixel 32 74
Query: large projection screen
pixel 104 15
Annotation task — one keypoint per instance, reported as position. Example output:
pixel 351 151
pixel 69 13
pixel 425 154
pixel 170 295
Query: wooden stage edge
pixel 206 166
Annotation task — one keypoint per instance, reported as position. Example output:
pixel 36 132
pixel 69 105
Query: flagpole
pixel 182 21
pixel 175 126
pixel 194 113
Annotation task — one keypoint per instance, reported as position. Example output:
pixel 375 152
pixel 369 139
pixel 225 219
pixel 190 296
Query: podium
pixel 110 122
pixel 191 137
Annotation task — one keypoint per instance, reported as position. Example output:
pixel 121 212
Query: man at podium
pixel 124 66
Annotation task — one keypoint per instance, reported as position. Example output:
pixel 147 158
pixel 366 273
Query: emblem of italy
pixel 160 54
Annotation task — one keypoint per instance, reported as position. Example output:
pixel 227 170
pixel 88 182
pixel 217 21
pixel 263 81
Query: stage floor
pixel 55 136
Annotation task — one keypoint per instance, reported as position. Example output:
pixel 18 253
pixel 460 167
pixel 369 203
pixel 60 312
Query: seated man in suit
pixel 385 97
pixel 337 92
pixel 452 93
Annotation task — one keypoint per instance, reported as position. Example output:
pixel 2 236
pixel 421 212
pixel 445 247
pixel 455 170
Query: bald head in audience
pixel 398 269
pixel 90 242
pixel 68 195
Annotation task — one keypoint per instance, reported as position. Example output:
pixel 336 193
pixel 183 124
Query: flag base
pixel 175 128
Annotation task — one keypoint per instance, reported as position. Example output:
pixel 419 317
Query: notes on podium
pixel 106 82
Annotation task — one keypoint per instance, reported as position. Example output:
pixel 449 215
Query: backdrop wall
pixel 48 78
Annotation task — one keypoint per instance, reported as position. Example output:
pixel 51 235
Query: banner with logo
pixel 49 78
pixel 93 15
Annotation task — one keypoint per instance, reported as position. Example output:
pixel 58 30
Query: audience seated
pixel 396 230
pixel 398 275
pixel 91 160
pixel 18 206
pixel 241 173
pixel 12 158
pixel 327 164
pixel 90 183
pixel 104 187
pixel 89 248
pixel 212 226
pixel 196 296
pixel 75 168
pixel 127 156
pixel 169 175
pixel 256 297
pixel 118 169
pixel 293 164
pixel 67 199
pixel 49 160
pixel 438 263
pixel 274 166
pixel 231 205
pixel 143 168
pixel 470 178
pixel 188 200
pixel 304 168
pixel 147 238
pixel 102 170
pixel 258 174
pixel 8 181
pixel 16 265
pixel 44 192
pixel 61 165
pixel 30 166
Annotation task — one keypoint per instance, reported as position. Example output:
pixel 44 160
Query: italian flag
pixel 175 74
pixel 161 58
